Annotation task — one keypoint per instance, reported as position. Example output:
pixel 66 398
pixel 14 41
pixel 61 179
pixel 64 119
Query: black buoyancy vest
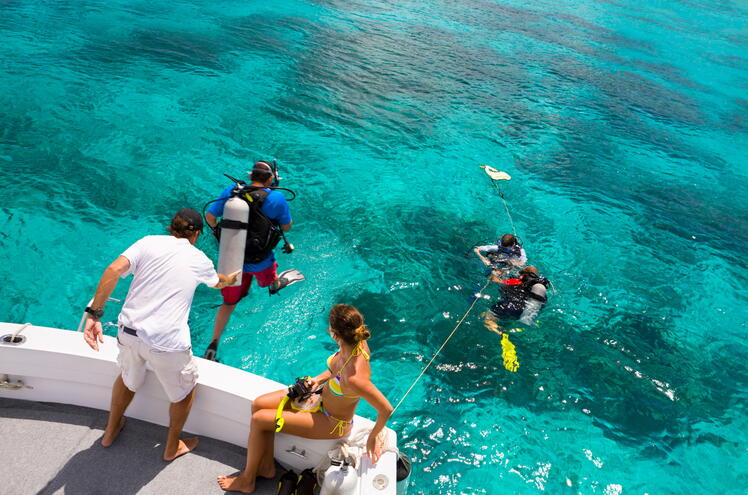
pixel 513 295
pixel 517 293
pixel 262 234
pixel 504 253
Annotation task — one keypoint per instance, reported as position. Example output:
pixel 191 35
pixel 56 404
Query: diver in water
pixel 502 256
pixel 521 299
pixel 269 218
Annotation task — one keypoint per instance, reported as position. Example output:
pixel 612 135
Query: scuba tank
pixel 234 224
pixel 535 300
pixel 341 478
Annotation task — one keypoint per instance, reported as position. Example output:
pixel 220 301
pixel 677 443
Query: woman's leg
pixel 266 468
pixel 268 401
pixel 245 482
pixel 307 425
pixel 259 448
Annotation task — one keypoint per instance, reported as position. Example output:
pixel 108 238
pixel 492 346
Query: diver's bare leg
pixel 490 323
pixel 222 319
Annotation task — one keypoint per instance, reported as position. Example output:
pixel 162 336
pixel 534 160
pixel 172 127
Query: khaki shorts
pixel 177 371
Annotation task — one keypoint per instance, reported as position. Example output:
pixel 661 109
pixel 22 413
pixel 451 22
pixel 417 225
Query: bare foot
pixel 236 484
pixel 109 437
pixel 184 446
pixel 492 326
pixel 267 471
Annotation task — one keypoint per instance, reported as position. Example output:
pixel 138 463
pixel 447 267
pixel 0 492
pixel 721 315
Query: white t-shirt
pixel 166 271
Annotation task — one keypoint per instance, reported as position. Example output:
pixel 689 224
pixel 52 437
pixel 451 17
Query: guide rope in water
pixel 441 347
pixel 496 176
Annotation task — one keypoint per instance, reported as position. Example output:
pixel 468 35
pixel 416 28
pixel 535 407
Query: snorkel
pixel 301 389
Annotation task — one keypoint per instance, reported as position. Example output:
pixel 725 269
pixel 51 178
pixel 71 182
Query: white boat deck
pixel 50 448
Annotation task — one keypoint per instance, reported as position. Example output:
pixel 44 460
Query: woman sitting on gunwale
pixel 322 416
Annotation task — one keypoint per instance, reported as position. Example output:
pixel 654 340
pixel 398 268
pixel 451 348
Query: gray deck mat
pixel 51 448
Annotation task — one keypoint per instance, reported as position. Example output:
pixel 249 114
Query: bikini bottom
pixel 313 405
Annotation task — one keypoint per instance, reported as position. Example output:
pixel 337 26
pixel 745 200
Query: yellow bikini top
pixel 334 383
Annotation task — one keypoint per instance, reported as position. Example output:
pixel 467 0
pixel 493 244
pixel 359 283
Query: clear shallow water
pixel 623 125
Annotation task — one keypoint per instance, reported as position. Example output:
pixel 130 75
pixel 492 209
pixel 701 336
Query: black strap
pixel 233 224
pixel 537 297
pixel 129 331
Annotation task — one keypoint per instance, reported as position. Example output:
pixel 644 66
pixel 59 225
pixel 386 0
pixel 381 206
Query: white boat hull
pixel 57 366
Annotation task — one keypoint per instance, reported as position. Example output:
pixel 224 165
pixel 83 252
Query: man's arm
pixel 482 258
pixel 215 210
pixel 93 334
pixel 211 219
pixel 279 211
pixel 226 280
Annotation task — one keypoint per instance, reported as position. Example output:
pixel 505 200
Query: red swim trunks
pixel 232 295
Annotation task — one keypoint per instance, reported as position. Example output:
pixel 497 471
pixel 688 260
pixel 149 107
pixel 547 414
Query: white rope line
pixel 506 207
pixel 442 347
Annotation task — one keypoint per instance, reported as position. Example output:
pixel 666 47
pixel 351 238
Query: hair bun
pixel 361 333
pixel 348 324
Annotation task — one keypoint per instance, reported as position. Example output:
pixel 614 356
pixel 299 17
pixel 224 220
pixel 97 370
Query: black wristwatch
pixel 96 313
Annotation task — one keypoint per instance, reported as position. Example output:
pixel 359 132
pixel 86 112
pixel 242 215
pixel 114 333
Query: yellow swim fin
pixel 509 354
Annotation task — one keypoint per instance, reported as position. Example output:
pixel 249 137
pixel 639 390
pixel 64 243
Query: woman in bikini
pixel 328 414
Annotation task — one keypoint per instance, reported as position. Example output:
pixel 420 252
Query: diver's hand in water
pixel 93 334
pixel 373 448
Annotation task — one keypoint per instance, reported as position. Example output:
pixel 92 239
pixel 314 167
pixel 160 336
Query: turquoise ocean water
pixel 622 123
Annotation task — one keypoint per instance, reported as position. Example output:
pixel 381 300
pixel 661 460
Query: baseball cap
pixel 193 218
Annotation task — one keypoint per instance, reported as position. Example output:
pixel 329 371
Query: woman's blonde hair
pixel 347 323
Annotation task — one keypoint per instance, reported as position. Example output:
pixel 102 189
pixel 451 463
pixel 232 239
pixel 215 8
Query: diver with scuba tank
pixel 253 219
pixel 522 298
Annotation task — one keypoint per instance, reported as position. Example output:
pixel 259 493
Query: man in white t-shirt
pixel 153 325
